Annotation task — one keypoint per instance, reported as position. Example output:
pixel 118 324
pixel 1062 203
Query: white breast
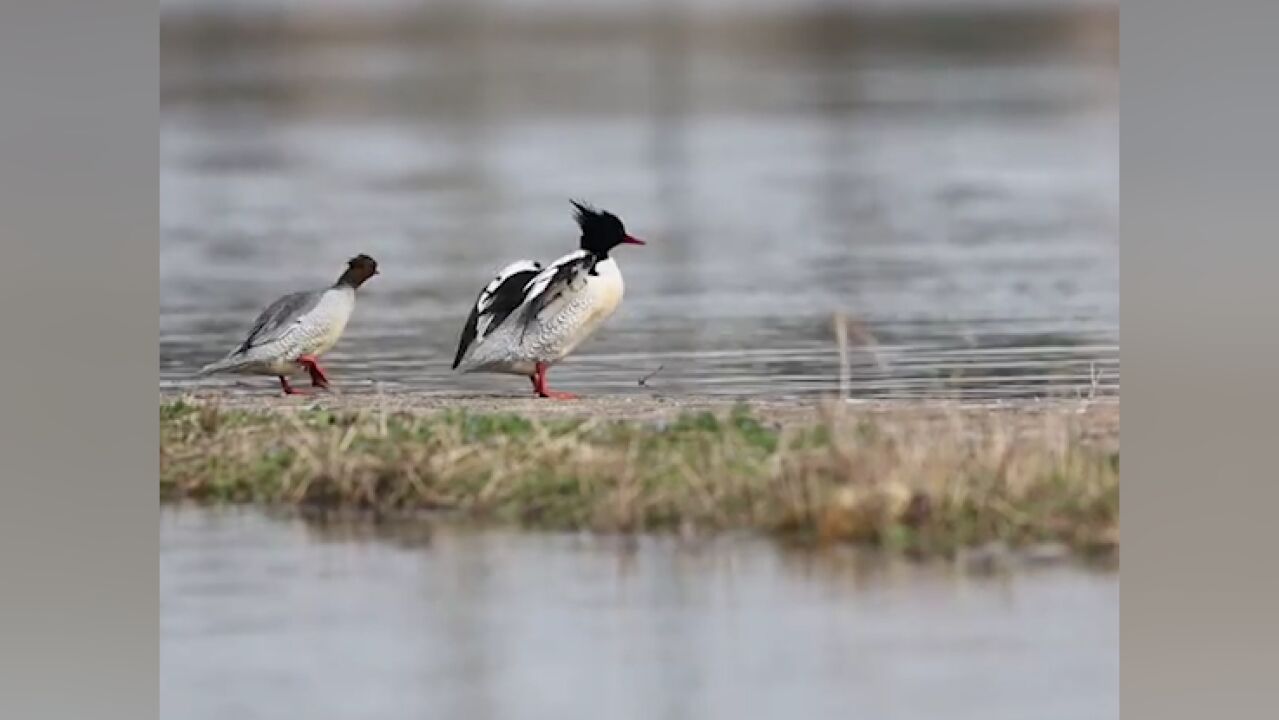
pixel 323 326
pixel 605 289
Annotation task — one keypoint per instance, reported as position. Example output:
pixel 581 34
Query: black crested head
pixel 601 230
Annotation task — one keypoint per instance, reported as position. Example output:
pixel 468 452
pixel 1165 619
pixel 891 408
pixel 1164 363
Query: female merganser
pixel 293 331
pixel 530 317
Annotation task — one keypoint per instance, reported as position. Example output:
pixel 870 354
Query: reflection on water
pixel 269 618
pixel 949 184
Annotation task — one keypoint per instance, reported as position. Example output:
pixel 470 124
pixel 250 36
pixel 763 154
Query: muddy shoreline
pixel 1097 419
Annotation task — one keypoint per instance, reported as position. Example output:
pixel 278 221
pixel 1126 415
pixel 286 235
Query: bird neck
pixel 352 278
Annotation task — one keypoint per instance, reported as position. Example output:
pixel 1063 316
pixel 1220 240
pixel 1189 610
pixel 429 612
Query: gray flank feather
pixel 279 318
pixel 496 302
pixel 553 283
pixel 273 323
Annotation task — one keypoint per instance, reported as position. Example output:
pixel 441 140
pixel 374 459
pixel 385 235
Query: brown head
pixel 358 269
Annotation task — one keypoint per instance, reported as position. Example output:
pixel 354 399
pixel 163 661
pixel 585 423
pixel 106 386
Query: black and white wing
pixel 552 288
pixel 280 318
pixel 497 300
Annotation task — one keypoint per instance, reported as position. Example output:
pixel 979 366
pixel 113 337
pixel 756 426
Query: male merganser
pixel 530 317
pixel 292 332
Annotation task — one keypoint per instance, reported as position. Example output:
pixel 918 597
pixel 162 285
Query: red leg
pixel 289 389
pixel 318 378
pixel 539 386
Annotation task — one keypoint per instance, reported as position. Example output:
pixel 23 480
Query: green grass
pixel 919 488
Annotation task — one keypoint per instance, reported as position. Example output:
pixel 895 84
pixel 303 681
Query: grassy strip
pixel 922 488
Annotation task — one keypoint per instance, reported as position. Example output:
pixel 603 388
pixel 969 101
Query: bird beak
pixel 629 240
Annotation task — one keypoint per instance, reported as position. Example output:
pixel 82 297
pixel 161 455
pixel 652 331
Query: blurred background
pixel 941 173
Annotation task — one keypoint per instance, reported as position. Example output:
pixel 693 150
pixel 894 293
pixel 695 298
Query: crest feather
pixel 585 213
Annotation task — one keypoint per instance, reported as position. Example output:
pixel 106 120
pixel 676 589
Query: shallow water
pixel 960 207
pixel 268 618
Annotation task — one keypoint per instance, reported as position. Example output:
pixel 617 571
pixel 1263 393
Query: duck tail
pixel 218 366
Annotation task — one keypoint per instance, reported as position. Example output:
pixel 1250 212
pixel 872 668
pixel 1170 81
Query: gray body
pixel 303 323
